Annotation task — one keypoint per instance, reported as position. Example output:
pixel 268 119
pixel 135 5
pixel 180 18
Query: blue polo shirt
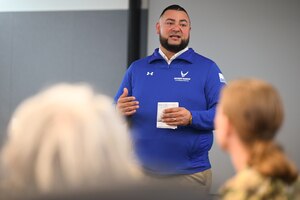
pixel 190 79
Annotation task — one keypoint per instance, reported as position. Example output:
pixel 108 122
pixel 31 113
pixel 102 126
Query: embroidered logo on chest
pixel 183 77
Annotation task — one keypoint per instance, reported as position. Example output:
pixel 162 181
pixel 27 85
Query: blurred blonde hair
pixel 68 137
pixel 255 110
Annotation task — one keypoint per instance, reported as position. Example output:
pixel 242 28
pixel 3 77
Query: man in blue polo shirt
pixel 170 98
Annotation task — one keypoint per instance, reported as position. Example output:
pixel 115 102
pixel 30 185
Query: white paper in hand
pixel 161 106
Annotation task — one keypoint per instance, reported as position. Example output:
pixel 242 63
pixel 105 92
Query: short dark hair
pixel 174 7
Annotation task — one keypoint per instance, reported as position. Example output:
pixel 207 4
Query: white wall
pixel 59 5
pixel 51 5
pixel 257 38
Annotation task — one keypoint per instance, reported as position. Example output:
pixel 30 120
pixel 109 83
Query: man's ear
pixel 157 28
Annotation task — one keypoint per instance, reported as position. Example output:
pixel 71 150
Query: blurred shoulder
pixel 294 190
pixel 249 184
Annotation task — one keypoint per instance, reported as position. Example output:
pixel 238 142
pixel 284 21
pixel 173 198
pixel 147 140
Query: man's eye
pixel 183 25
pixel 169 23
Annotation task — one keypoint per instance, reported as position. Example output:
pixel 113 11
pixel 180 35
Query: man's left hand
pixel 177 116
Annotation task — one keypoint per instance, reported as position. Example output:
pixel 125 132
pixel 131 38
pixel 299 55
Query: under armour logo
pixel 184 74
pixel 150 73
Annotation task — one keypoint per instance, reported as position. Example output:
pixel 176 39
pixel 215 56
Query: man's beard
pixel 171 47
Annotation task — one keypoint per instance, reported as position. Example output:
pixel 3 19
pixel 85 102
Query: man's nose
pixel 176 27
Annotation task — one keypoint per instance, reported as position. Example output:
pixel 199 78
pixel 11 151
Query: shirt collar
pixel 185 54
pixel 173 57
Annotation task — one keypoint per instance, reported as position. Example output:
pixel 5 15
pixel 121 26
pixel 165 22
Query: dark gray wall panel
pixel 100 49
pixel 5 68
pixel 42 47
pixel 38 49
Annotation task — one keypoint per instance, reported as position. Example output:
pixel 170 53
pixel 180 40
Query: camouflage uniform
pixel 295 191
pixel 250 185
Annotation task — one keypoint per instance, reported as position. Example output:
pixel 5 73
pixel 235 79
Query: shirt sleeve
pixel 126 83
pixel 204 120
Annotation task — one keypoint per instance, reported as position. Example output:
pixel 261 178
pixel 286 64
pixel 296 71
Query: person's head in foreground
pixel 249 115
pixel 67 138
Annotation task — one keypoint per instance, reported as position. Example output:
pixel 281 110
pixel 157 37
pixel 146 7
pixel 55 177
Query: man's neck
pixel 169 54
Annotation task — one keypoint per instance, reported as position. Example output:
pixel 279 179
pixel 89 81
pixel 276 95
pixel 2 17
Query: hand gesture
pixel 127 105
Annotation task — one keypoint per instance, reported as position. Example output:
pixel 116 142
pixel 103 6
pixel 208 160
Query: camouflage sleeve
pixel 295 191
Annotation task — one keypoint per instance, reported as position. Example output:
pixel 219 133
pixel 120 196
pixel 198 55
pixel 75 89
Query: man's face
pixel 174 30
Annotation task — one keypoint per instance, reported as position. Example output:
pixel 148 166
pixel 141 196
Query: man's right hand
pixel 127 105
